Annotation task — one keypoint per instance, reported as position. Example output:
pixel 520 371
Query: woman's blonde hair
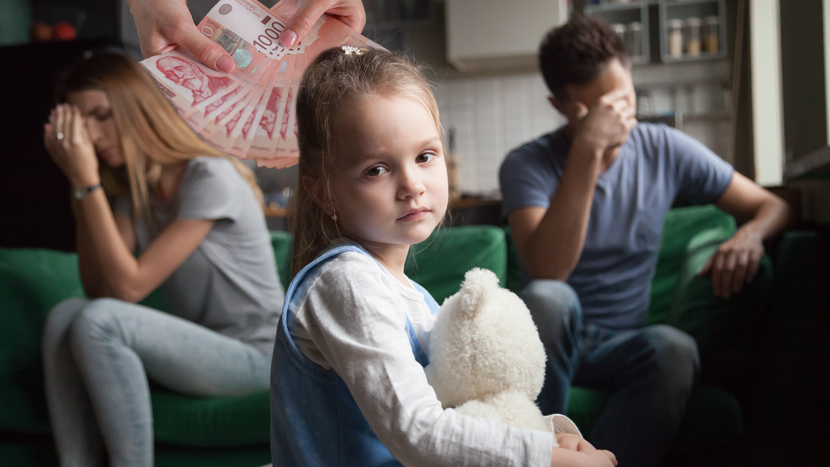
pixel 151 132
pixel 336 76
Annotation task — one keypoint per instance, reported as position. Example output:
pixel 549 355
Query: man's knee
pixel 554 306
pixel 675 359
pixel 98 321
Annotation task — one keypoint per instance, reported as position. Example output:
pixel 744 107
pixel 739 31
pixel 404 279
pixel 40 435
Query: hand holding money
pixel 348 12
pixel 249 112
pixel 165 24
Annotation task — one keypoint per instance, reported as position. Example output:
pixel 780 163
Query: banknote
pixel 250 112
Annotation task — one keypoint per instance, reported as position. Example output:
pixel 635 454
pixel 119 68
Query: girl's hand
pixel 574 450
pixel 602 458
pixel 574 442
pixel 70 147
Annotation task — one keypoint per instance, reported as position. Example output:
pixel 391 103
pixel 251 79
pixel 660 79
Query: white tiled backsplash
pixel 491 116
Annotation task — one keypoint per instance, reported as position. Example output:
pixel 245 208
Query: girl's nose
pixel 411 186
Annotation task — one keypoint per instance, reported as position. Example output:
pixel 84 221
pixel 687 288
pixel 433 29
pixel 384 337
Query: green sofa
pixel 234 431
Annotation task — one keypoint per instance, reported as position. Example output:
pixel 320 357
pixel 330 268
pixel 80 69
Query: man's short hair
pixel 576 52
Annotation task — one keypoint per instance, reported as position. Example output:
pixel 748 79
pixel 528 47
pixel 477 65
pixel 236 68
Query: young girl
pixel 347 382
pixel 196 216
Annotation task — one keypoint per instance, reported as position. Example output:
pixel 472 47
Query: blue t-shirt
pixel 656 165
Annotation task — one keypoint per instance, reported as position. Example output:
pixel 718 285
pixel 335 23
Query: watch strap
pixel 82 192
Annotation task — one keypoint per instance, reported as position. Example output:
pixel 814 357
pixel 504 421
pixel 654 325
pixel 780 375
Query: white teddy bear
pixel 486 359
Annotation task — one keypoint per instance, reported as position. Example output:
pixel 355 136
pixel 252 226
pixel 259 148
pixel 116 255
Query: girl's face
pixel 390 177
pixel 97 113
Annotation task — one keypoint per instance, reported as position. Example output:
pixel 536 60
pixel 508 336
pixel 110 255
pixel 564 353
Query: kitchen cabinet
pixel 496 34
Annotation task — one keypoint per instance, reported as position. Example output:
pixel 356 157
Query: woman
pixel 195 216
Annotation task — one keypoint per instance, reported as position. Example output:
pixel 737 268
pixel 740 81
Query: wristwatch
pixel 82 192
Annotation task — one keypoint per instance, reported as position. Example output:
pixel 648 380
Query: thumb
pixel 298 26
pixel 208 52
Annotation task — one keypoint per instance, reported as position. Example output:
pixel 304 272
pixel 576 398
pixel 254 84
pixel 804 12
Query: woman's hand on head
pixel 164 24
pixel 70 147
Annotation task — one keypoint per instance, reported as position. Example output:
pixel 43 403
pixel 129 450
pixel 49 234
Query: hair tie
pixel 352 50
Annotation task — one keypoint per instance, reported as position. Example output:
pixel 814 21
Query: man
pixel 586 205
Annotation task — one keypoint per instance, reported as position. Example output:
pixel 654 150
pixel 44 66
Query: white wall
pixel 767 123
pixel 490 117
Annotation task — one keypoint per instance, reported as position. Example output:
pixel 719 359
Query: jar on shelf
pixel 693 37
pixel 711 34
pixel 634 39
pixel 675 36
pixel 619 30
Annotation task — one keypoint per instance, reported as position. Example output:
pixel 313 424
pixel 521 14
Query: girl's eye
pixel 102 117
pixel 425 157
pixel 376 171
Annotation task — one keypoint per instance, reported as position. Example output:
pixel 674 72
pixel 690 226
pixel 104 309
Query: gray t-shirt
pixel 229 283
pixel 631 200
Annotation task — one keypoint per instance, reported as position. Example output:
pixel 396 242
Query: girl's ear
pixel 315 190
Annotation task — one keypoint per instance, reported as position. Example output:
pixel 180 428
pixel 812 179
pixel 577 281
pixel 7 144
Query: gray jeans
pixel 98 356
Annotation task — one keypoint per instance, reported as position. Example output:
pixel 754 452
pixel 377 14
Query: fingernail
pixel 225 64
pixel 288 38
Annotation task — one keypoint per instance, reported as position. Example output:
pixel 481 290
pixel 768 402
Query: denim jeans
pixel 649 372
pixel 98 356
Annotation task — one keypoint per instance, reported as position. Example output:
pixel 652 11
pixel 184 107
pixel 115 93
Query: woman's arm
pixel 108 267
pixel 128 278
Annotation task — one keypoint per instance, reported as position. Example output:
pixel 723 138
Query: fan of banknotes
pixel 249 113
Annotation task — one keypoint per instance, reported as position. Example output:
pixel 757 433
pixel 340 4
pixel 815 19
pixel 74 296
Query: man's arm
pixel 735 263
pixel 550 241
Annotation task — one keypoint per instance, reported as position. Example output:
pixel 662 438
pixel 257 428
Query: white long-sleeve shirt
pixel 353 320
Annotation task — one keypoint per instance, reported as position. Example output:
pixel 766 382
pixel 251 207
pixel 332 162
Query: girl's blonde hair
pixel 151 132
pixel 338 75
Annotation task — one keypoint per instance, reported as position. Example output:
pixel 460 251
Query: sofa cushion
pixel 440 262
pixel 211 421
pixel 711 320
pixel 32 281
pixel 681 225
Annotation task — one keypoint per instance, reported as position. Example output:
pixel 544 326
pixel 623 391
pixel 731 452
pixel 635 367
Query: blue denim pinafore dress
pixel 315 421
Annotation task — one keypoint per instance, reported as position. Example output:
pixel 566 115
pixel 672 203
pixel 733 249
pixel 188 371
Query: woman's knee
pixel 97 321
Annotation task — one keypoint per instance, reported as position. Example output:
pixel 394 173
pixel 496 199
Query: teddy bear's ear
pixel 477 282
